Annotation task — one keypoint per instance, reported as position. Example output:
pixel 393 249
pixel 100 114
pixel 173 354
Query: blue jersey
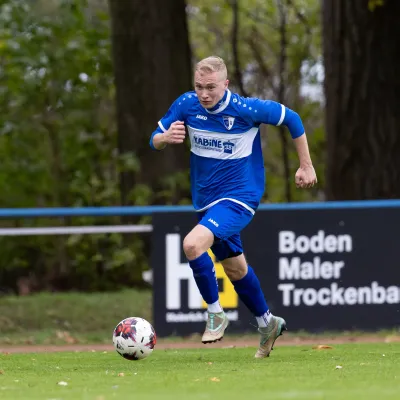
pixel 226 156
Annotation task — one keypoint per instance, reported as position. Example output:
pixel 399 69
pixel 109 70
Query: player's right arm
pixel 171 128
pixel 174 135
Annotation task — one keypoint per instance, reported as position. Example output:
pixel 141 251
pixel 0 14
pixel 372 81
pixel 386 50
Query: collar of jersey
pixel 222 104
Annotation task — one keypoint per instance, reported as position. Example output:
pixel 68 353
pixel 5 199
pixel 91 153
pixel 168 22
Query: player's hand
pixel 305 177
pixel 176 133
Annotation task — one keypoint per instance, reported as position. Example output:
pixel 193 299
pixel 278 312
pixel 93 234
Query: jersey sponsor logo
pixel 228 122
pixel 209 143
pixel 203 117
pixel 228 147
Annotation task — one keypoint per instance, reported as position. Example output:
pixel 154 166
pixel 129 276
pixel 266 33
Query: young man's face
pixel 209 87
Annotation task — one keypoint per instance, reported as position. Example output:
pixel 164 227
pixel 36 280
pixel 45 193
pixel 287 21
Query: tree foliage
pixel 59 144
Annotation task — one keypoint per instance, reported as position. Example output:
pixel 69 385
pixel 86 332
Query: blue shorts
pixel 226 220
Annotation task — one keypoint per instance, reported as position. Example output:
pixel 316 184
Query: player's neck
pixel 219 102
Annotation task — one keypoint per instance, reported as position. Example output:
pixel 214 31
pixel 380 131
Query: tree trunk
pixel 235 48
pixel 152 65
pixel 281 95
pixel 362 86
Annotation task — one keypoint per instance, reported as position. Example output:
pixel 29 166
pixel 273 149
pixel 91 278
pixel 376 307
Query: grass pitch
pixel 368 371
pixel 50 318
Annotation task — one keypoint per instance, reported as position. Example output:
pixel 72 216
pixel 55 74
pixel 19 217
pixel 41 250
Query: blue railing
pixel 149 210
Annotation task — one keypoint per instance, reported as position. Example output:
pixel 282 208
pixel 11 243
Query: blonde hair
pixel 212 64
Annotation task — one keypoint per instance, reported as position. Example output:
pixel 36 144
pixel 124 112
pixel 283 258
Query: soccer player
pixel 227 183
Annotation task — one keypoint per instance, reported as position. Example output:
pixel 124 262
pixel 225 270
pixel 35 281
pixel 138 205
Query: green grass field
pixel 44 318
pixel 369 371
pixel 64 318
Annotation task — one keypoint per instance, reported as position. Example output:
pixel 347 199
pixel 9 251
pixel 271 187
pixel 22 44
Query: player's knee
pixel 191 248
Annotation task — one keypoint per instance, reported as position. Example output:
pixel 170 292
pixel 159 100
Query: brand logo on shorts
pixel 213 222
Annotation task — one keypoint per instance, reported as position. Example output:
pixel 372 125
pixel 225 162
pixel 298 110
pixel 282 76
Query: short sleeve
pixel 264 111
pixel 175 113
pixel 272 113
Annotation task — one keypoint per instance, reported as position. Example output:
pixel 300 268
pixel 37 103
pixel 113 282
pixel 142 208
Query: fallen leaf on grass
pixel 322 347
pixel 1 372
pixel 392 338
pixel 338 367
pixel 215 379
pixel 121 374
pixel 209 363
pixel 62 383
pixel 67 337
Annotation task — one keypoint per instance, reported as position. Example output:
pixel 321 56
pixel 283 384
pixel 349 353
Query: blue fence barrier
pixel 149 210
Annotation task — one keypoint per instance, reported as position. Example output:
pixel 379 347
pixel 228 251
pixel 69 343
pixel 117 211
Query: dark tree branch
pixel 259 19
pixel 281 94
pixel 235 50
pixel 299 16
pixel 264 69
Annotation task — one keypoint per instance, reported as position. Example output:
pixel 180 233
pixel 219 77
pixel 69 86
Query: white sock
pixel 215 307
pixel 264 319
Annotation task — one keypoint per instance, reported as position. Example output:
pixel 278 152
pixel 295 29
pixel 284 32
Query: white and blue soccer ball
pixel 134 338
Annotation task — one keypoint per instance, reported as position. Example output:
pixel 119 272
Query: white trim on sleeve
pixel 282 115
pixel 161 126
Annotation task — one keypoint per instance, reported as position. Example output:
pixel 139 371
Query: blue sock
pixel 204 275
pixel 249 290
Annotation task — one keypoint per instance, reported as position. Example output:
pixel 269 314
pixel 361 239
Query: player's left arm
pixel 305 176
pixel 273 113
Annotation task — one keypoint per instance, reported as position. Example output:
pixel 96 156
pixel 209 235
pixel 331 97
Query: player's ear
pixel 226 84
